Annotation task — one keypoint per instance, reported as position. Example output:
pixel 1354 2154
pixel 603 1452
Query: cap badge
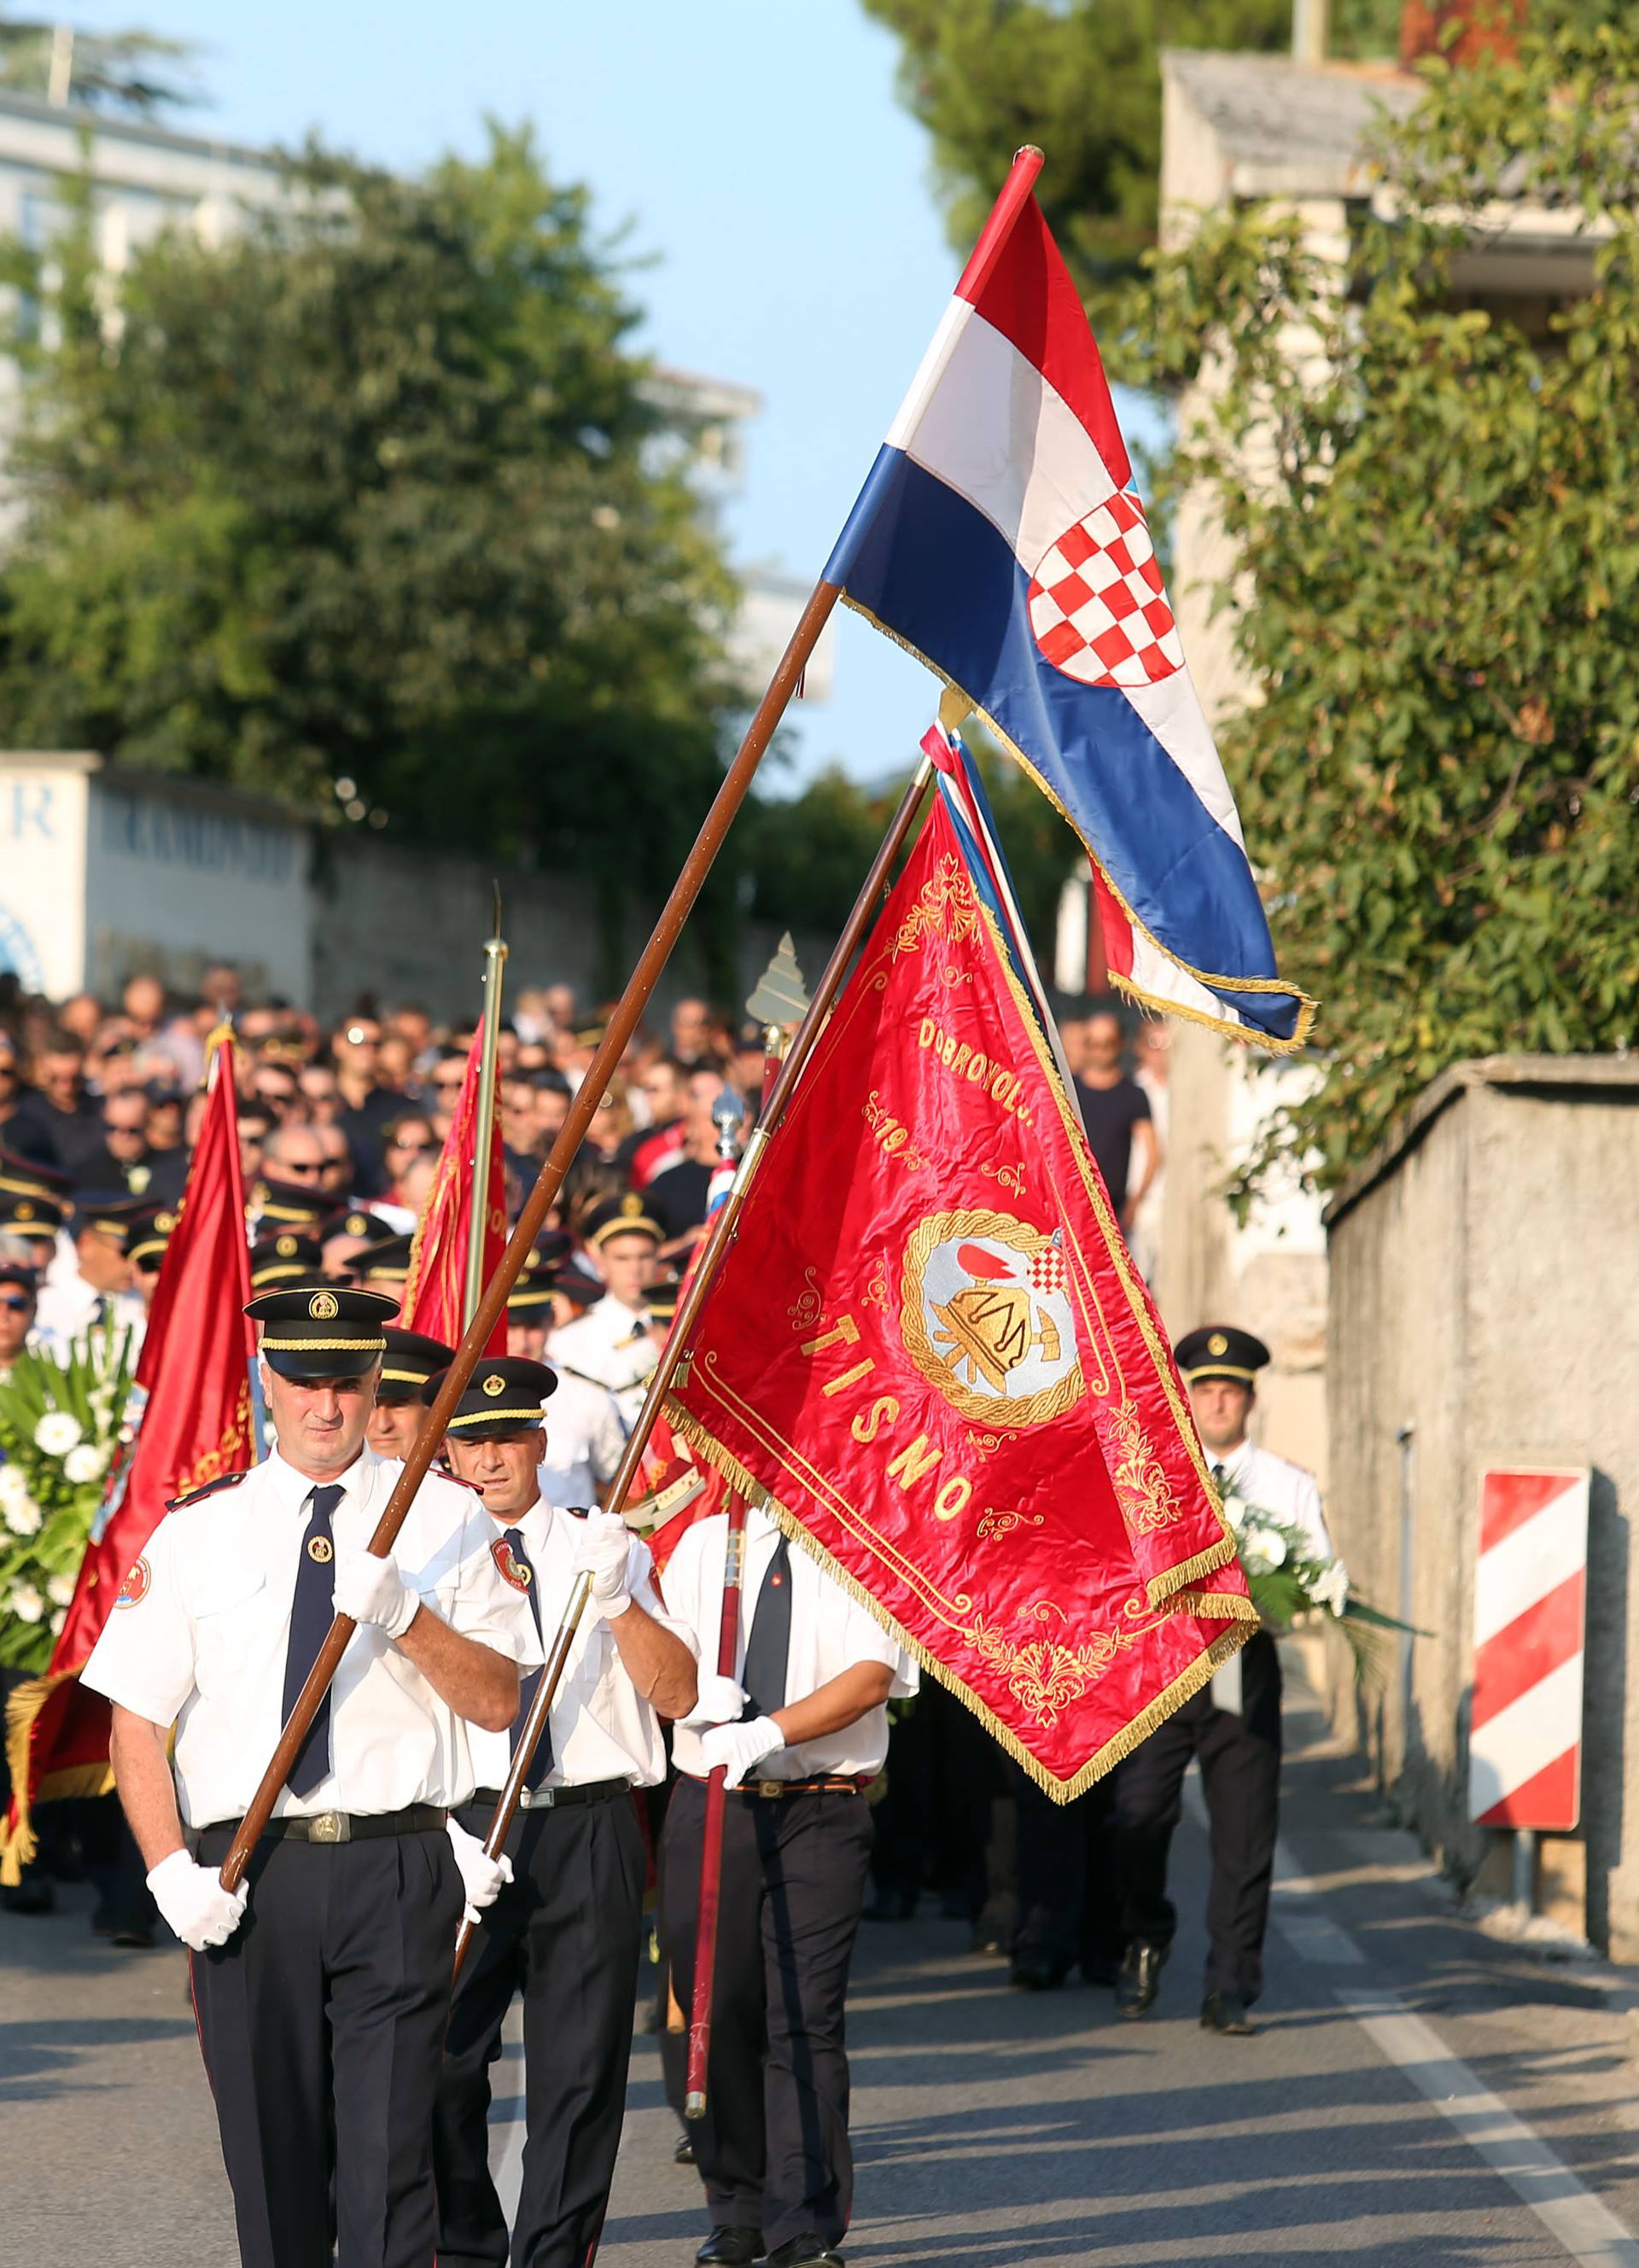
pixel 632 1204
pixel 284 1246
pixel 510 1568
pixel 357 1225
pixel 494 1384
pixel 165 1222
pixel 24 1211
pixel 1217 1344
pixel 324 1307
pixel 321 1547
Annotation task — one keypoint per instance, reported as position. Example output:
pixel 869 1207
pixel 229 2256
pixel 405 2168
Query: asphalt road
pixel 1417 2094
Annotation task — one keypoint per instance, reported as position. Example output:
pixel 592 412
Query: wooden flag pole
pixel 717 1786
pixel 716 1245
pixel 727 800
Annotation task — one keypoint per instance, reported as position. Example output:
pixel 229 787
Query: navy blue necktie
pixel 541 1762
pixel 312 1611
pixel 768 1648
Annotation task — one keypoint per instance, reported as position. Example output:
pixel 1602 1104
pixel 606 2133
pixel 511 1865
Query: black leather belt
pixel 341 1826
pixel 826 1784
pixel 552 1799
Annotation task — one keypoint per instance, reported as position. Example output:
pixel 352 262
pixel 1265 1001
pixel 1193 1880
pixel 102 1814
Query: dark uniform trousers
pixel 1240 1769
pixel 1069 1898
pixel 772 2148
pixel 322 2022
pixel 565 1932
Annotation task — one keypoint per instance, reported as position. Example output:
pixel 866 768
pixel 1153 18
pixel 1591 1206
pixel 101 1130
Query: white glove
pixel 740 1747
pixel 718 1702
pixel 372 1590
pixel 481 1876
pixel 604 1552
pixel 193 1903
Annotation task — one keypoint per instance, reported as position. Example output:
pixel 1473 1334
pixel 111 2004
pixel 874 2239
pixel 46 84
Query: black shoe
pixel 805 2251
pixel 1221 2011
pixel 136 1936
pixel 683 2151
pixel 1139 1978
pixel 1035 1969
pixel 35 1894
pixel 730 2248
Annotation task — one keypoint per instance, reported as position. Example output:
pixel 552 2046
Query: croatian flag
pixel 999 537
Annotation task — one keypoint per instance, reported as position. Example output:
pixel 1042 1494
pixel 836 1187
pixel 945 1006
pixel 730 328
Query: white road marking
pixel 1576 2220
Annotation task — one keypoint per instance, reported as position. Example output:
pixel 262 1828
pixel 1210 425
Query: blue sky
pixel 759 154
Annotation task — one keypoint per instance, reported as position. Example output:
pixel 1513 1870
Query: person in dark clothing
pixel 1115 1111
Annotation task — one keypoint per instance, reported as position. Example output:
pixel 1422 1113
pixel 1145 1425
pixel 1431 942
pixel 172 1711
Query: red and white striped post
pixel 1525 1746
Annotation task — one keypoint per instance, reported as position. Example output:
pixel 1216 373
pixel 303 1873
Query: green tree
pixel 1082 79
pixel 136 71
pixel 810 856
pixel 1433 500
pixel 373 492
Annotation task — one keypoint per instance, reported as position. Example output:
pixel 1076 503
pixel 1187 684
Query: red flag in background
pixel 435 1293
pixel 196 1425
pixel 929 1348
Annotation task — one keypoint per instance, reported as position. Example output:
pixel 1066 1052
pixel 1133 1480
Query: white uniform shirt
pixel 601 1728
pixel 69 1307
pixel 830 1632
pixel 204 1642
pixel 610 1345
pixel 1271 1485
pixel 584 1441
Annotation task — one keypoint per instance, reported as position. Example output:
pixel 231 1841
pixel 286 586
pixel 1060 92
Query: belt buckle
pixel 537 1799
pixel 770 1787
pixel 325 1827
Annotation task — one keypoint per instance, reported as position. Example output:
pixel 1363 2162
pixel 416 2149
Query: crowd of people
pixel 340 1135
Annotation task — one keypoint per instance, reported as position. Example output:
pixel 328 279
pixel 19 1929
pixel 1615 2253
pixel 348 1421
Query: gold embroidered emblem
pixel 284 1246
pixel 324 1308
pixel 986 1317
pixel 23 1211
pixel 631 1205
pixel 494 1384
pixel 321 1547
pixel 1217 1344
pixel 165 1222
pixel 357 1224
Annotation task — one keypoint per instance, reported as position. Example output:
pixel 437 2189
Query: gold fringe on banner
pixel 1200 1672
pixel 19 1843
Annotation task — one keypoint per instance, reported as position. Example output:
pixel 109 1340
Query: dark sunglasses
pixel 287 1168
pixel 17 1305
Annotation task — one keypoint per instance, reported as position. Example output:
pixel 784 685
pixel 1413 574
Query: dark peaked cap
pixel 504 1393
pixel 322 1330
pixel 1220 1350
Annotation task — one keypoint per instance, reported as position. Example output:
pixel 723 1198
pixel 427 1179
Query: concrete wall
pixel 1481 1290
pixel 1268 1273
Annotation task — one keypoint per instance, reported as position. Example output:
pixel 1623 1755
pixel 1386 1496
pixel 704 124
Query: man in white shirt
pixel 96 1288
pixel 565 1931
pixel 322 2009
pixel 802 1732
pixel 610 1345
pixel 587 1437
pixel 410 1359
pixel 1238 1747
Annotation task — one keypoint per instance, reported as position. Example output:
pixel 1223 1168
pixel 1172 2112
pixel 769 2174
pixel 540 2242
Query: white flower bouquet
pixel 61 1427
pixel 1289 1581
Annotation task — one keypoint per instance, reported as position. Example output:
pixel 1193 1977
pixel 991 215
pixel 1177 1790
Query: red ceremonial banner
pixel 196 1426
pixel 435 1293
pixel 929 1348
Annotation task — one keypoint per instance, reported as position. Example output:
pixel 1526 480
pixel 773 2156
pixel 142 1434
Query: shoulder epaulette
pixel 222 1481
